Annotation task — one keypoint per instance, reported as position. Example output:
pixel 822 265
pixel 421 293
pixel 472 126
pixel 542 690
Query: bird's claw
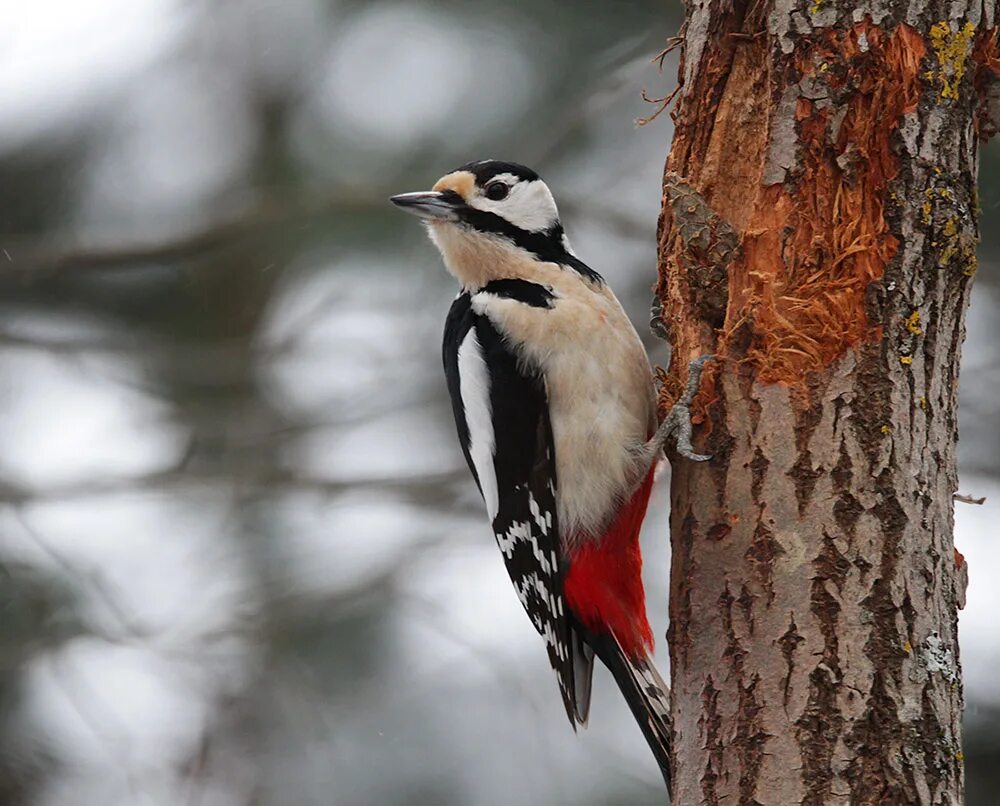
pixel 679 416
pixel 694 457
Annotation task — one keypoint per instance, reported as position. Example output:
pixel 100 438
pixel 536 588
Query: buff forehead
pixel 462 182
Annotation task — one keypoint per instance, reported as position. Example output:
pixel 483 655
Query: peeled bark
pixel 818 235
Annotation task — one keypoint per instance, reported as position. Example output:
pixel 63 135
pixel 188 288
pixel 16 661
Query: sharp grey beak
pixel 431 205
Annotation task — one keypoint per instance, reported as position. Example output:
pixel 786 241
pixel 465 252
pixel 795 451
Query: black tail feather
pixel 648 697
pixel 583 673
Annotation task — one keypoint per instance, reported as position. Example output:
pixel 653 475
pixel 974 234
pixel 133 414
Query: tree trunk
pixel 818 235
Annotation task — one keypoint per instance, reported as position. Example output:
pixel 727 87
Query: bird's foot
pixel 678 419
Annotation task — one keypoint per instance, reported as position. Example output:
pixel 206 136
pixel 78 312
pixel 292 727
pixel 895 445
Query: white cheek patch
pixel 529 205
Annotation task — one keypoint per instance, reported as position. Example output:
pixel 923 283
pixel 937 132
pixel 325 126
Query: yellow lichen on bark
pixel 952 49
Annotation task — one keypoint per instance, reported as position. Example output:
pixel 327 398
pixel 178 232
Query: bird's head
pixel 489 217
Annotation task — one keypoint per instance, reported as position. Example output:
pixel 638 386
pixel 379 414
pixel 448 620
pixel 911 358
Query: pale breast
pixel 600 390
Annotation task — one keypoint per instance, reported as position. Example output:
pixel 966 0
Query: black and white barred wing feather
pixel 502 414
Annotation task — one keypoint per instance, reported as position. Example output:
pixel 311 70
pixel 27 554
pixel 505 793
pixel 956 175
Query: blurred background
pixel 241 559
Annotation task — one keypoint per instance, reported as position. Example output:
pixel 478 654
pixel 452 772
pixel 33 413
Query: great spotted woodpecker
pixel 554 401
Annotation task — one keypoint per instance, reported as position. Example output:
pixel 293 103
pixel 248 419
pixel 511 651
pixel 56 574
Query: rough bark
pixel 818 234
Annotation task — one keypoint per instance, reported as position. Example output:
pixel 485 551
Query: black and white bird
pixel 554 400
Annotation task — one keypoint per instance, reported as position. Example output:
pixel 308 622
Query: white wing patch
pixel 542 519
pixel 517 533
pixel 521 532
pixel 474 385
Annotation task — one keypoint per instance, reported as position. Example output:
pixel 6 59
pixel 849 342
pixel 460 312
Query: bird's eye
pixel 497 191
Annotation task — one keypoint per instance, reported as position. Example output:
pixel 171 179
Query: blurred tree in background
pixel 240 560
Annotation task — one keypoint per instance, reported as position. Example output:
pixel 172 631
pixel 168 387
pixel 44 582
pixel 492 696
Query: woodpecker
pixel 554 402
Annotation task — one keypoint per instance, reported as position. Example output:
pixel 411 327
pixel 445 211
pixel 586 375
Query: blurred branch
pixel 437 485
pixel 31 261
pixel 64 346
pixel 92 579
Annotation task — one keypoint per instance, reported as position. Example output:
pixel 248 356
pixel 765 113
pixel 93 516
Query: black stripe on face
pixel 546 245
pixel 533 294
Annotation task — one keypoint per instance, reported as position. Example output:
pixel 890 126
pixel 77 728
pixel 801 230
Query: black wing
pixel 519 472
